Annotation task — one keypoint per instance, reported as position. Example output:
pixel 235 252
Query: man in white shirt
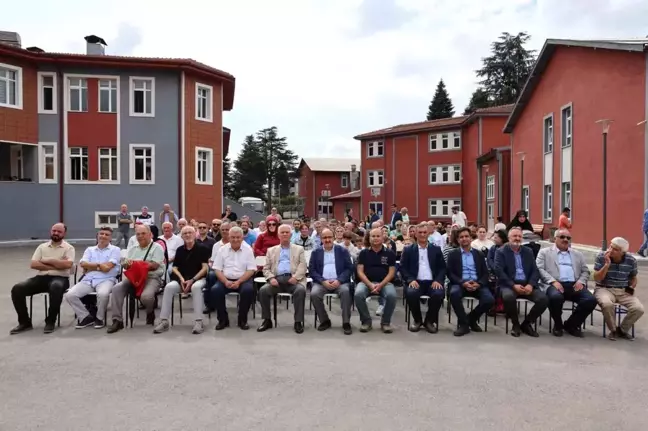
pixel 459 217
pixel 173 242
pixel 434 237
pixel 101 267
pixel 235 266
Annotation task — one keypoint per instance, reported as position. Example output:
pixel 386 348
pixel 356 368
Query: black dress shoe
pixel 299 327
pixel 461 331
pixel 575 332
pixel 527 328
pixel 474 327
pixel 265 325
pixel 431 327
pixel 324 326
pixel 244 326
pixel 116 326
pixel 23 327
pixel 515 331
pixel 346 328
pixel 557 332
pixel 150 318
pixel 49 328
pixel 222 325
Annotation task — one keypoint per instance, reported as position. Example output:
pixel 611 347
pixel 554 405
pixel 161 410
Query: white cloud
pixel 324 71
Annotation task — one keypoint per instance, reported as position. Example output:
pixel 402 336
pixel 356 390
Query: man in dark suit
pixel 373 217
pixel 517 277
pixel 395 216
pixel 330 268
pixel 423 270
pixel 468 276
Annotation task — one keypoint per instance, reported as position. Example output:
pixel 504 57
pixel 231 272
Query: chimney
pixel 95 45
pixel 353 177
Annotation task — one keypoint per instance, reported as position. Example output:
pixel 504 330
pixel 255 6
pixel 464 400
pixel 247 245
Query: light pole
pixel 605 124
pixel 522 154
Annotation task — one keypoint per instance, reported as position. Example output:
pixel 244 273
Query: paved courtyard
pixel 134 380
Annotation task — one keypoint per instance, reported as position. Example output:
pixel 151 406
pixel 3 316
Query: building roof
pixel 441 124
pixel 184 64
pixel 351 195
pixel 547 51
pixel 330 164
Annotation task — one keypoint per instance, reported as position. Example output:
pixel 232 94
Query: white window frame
pixel 208 166
pixel 451 139
pixel 375 147
pixel 112 159
pixel 41 162
pixel 209 115
pixel 70 156
pixel 564 193
pixel 18 83
pixel 567 126
pixel 131 96
pixel 134 216
pixel 131 163
pixel 41 88
pixel 83 85
pixel 490 187
pixel 112 88
pixel 439 170
pixel 548 134
pixel 439 205
pixel 374 205
pixel 547 202
pixel 526 201
pixel 344 180
pixel 378 175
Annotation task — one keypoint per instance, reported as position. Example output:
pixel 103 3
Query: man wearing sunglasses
pixel 563 277
pixel 215 232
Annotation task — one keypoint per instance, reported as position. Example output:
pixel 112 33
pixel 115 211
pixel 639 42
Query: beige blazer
pixel 297 262
pixel 547 262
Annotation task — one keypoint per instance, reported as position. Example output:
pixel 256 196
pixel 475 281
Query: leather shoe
pixel 527 328
pixel 461 331
pixel 557 332
pixel 515 331
pixel 324 326
pixel 222 325
pixel 431 327
pixel 244 326
pixel 346 328
pixel 474 327
pixel 299 327
pixel 575 332
pixel 265 325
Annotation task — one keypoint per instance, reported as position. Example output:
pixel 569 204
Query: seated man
pixel 53 261
pixel 249 235
pixel 615 272
pixel 376 270
pixel 563 276
pixel 101 268
pixel 188 274
pixel 330 267
pixel 423 271
pixel 517 277
pixel 234 266
pixel 285 271
pixel 468 276
pixel 152 253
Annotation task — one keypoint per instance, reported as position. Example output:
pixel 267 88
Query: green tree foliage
pixel 228 178
pixel 478 100
pixel 441 105
pixel 248 178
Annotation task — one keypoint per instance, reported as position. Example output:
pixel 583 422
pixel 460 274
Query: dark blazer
pixel 397 217
pixel 455 267
pixel 374 218
pixel 490 258
pixel 505 266
pixel 410 258
pixel 343 264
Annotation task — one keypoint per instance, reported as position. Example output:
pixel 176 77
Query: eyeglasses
pixel 271 224
pixel 327 237
pixel 202 227
pixel 568 238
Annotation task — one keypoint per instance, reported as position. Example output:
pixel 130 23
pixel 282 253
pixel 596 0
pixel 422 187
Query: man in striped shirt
pixel 615 273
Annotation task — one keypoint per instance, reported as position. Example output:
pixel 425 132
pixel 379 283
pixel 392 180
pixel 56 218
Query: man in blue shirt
pixel 249 236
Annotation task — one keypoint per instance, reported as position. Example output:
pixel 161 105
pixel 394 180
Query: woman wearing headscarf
pixel 269 238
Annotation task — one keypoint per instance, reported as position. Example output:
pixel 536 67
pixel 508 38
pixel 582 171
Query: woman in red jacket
pixel 269 238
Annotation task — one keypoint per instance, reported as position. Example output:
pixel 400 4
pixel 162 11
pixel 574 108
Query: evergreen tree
pixel 441 105
pixel 505 71
pixel 248 178
pixel 228 179
pixel 479 99
pixel 279 163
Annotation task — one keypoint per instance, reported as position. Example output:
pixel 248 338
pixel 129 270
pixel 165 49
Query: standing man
pixel 376 270
pixel 249 236
pixel 100 265
pixel 285 271
pixel 124 222
pixel 563 276
pixel 644 229
pixel 373 217
pixel 517 277
pixel 396 216
pixel 563 221
pixel 330 267
pixel 316 235
pixel 168 216
pixel 145 218
pixel 459 217
pixel 214 232
pixel 423 270
pixel 468 276
pixel 235 266
pixel 228 214
pixel 53 261
pixel 203 237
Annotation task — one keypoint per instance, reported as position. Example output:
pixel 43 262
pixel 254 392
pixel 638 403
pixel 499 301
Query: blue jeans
pixel 482 294
pixel 388 293
pixel 435 302
pixel 219 293
pixel 644 246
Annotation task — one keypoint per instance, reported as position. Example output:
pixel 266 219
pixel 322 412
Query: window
pixel 445 141
pixel 107 95
pixel 17 162
pixel 142 97
pixel 375 149
pixel 526 204
pixel 375 178
pixel 47 93
pixel 78 95
pixel 445 174
pixel 204 165
pixel 490 187
pixel 547 202
pixel 377 207
pixel 109 218
pixel 548 134
pixel 442 207
pixel 204 102
pixel 567 127
pixel 565 193
pixel 47 158
pixel 78 164
pixel 108 164
pixel 345 181
pixel 456 141
pixel 10 86
pixel 324 207
pixel 142 164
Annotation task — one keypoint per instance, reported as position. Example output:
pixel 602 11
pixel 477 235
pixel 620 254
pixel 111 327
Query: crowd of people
pixel 351 260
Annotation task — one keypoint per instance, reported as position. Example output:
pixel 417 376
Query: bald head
pixel 57 232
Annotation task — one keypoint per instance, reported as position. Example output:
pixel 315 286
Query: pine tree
pixel 441 105
pixel 280 163
pixel 248 178
pixel 479 99
pixel 228 179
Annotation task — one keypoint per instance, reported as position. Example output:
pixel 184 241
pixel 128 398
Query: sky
pixel 323 71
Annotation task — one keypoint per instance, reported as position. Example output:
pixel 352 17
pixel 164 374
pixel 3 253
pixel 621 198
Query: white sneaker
pixel 380 309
